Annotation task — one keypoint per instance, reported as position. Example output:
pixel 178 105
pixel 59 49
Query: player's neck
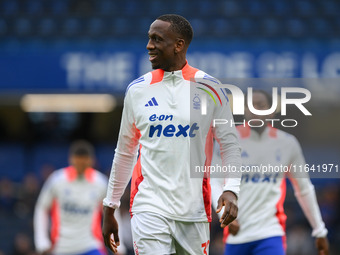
pixel 259 130
pixel 178 64
pixel 80 173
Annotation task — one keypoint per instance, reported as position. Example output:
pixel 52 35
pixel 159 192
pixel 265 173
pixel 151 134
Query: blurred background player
pixel 260 226
pixel 170 210
pixel 71 198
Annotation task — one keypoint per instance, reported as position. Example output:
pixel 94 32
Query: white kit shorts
pixel 154 234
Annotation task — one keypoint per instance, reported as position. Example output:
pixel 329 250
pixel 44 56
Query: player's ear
pixel 180 45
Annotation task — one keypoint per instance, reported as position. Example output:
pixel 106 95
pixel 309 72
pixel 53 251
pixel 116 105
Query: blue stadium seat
pixel 230 8
pixel 330 8
pixel 180 7
pixel 106 7
pixel 121 26
pixel 221 27
pixel 271 27
pixel 257 8
pixel 9 8
pixel 47 27
pixel 34 7
pixel 95 27
pixel 12 161
pixel 132 8
pixel 71 27
pixel 321 27
pixel 205 8
pixel 199 27
pixel 155 8
pixel 337 26
pixel 143 26
pixel 246 18
pixel 280 7
pixel 295 27
pixel 305 8
pixel 3 27
pixel 59 7
pixel 247 27
pixel 22 27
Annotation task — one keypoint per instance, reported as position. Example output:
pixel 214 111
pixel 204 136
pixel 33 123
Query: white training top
pixel 74 206
pixel 162 114
pixel 262 195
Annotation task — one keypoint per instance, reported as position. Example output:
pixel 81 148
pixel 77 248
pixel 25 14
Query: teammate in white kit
pixel 170 210
pixel 260 225
pixel 71 198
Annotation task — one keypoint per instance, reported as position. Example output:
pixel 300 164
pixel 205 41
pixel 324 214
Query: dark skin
pixel 260 102
pixel 167 51
pixel 81 163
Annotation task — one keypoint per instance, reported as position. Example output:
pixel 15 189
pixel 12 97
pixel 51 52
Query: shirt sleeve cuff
pixel 108 203
pixel 234 189
pixel 319 233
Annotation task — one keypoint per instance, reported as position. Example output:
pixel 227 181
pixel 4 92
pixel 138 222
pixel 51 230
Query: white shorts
pixel 154 234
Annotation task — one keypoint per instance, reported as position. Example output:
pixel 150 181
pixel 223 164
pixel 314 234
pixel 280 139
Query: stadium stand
pixel 102 18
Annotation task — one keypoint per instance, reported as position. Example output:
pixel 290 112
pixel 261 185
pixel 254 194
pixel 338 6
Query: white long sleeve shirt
pixel 262 195
pixel 73 205
pixel 162 117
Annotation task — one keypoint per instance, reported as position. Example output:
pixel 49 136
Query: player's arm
pixel 121 171
pixel 217 185
pixel 42 241
pixel 306 197
pixel 230 151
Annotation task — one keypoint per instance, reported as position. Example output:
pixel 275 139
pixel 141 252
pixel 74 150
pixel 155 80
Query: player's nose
pixel 150 45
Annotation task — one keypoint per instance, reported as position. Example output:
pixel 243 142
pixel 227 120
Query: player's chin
pixel 155 65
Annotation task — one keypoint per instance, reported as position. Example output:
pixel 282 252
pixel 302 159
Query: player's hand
pixel 229 201
pixel 47 252
pixel 110 229
pixel 322 245
pixel 234 227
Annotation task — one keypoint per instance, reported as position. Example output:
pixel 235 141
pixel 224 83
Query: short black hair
pixel 81 148
pixel 179 25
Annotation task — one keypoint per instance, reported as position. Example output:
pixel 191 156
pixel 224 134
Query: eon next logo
pixel 170 130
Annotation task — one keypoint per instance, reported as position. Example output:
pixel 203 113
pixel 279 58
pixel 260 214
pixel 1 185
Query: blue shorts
pixel 268 246
pixel 93 252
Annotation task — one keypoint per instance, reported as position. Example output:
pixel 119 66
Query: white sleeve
pixel 216 183
pixel 125 155
pixel 305 193
pixel 226 136
pixel 41 216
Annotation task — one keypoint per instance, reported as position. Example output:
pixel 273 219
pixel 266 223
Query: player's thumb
pixel 116 237
pixel 219 205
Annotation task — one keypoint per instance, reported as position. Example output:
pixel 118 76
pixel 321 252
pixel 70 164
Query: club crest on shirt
pixel 196 102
